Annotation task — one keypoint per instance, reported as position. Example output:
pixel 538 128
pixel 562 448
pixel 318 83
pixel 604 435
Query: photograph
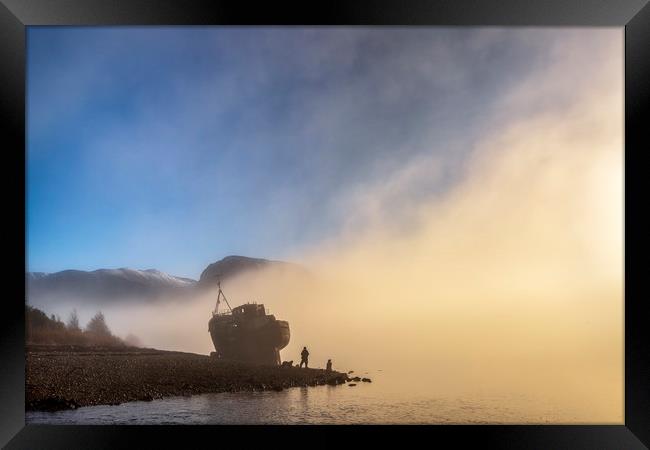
pixel 324 225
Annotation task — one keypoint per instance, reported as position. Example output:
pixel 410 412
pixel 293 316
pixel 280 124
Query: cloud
pixel 511 281
pixel 178 129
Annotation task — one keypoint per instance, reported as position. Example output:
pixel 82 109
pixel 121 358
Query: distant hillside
pixel 234 265
pixel 106 285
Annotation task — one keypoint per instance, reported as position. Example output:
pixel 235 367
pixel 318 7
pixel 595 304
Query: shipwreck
pixel 247 333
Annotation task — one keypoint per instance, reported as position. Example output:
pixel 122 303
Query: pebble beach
pixel 68 377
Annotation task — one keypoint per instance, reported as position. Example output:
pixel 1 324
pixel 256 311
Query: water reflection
pixel 384 401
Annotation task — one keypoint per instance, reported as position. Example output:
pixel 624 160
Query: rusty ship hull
pixel 249 335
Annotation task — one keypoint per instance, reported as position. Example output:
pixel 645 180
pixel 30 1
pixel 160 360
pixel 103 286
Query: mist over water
pixel 508 284
pixel 381 402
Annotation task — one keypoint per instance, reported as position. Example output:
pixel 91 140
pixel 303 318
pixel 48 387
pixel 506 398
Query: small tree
pixel 73 321
pixel 98 327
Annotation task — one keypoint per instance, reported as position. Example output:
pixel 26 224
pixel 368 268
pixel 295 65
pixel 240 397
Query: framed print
pixel 364 219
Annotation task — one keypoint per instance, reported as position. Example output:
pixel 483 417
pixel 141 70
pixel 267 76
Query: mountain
pixel 104 284
pixel 234 265
pixel 131 284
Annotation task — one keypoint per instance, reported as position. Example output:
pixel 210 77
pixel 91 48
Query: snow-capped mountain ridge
pixel 105 283
pixel 124 284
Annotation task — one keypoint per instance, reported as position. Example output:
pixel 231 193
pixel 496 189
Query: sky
pixel 172 147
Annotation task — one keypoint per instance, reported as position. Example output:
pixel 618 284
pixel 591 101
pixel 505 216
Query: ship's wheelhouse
pixel 249 310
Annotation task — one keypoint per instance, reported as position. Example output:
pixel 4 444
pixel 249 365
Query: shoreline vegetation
pixel 67 376
pixel 41 329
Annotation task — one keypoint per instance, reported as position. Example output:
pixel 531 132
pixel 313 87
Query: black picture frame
pixel 634 15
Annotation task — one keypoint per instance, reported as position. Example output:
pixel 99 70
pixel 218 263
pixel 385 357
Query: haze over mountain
pixel 132 284
pixel 235 265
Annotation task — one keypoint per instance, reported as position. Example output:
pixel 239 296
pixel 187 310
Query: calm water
pixel 388 399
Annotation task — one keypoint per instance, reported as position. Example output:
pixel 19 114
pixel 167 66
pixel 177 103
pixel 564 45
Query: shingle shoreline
pixel 70 377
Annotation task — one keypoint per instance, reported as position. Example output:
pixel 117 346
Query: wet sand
pixel 68 377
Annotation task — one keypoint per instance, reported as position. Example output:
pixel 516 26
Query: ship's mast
pixel 221 294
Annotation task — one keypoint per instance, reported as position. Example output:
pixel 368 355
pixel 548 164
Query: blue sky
pixel 172 147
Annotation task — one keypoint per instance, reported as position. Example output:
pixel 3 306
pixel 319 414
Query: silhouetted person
pixel 304 356
pixel 328 367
